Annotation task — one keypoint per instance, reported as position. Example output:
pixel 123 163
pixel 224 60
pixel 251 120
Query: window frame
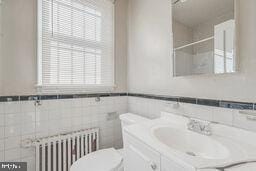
pixel 46 89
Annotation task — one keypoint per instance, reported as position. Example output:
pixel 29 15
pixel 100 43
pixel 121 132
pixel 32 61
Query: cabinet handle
pixel 144 157
pixel 153 166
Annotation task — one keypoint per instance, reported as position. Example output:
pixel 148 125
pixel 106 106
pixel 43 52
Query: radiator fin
pixel 58 153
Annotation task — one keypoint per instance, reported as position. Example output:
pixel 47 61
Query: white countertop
pixel 240 148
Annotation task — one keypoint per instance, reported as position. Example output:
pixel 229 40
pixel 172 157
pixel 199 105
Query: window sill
pixel 49 89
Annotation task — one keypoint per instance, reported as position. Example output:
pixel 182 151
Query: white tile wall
pixel 21 120
pixel 152 109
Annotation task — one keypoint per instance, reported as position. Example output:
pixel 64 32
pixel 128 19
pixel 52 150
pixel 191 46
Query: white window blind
pixel 75 48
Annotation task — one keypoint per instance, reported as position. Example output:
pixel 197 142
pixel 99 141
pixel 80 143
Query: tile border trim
pixel 204 102
pixel 198 101
pixel 56 96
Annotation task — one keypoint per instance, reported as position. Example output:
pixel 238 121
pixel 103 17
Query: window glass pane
pixel 75 48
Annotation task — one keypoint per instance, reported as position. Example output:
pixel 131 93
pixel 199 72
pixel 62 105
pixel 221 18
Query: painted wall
pixel 1 46
pixel 19 46
pixel 149 61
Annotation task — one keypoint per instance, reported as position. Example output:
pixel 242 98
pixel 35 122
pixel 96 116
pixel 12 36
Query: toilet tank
pixel 129 119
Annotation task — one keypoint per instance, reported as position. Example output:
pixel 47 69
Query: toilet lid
pixel 102 160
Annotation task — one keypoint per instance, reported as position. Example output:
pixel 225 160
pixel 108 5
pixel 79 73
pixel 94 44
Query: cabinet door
pixel 139 157
pixel 168 165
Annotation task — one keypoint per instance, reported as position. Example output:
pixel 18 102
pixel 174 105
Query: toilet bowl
pixel 108 159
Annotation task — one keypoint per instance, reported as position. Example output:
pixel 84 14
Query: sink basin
pixel 190 143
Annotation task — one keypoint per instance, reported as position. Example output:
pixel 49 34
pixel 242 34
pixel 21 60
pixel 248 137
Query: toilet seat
pixel 102 160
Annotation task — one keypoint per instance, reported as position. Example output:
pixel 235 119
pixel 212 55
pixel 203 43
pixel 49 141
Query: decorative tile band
pixel 205 102
pixel 54 97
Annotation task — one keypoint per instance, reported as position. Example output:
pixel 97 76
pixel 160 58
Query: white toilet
pixel 106 159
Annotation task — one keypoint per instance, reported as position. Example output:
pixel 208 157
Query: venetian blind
pixel 76 44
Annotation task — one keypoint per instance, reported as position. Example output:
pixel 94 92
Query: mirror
pixel 203 37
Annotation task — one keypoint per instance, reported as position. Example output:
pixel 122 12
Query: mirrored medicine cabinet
pixel 204 37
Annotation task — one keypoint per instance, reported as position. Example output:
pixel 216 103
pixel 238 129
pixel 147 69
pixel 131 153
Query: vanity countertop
pixel 238 142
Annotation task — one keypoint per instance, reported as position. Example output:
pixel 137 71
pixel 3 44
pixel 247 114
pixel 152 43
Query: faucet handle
pixel 208 129
pixel 192 123
pixel 200 126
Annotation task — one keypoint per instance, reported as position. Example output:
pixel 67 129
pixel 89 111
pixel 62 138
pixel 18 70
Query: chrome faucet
pixel 199 126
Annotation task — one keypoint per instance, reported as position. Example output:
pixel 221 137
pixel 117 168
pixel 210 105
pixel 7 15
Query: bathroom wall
pixel 149 61
pixel 21 120
pixel 1 46
pixel 19 47
pixel 152 108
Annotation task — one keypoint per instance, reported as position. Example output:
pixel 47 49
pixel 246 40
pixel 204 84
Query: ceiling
pixel 194 12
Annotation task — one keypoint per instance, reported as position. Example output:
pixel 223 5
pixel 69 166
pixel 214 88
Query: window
pixel 75 44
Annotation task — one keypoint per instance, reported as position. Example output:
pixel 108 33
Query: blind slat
pixel 76 44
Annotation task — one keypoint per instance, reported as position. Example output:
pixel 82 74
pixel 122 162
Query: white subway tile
pixel 222 115
pixel 85 102
pixel 241 121
pixel 76 112
pixel 2 130
pixel 27 106
pixel 198 111
pixel 44 105
pixel 41 115
pixel 12 130
pixel 30 163
pixel 28 128
pixel 2 120
pixel 28 136
pixel 107 142
pixel 24 120
pixel 42 127
pixel 65 123
pixel 169 107
pixel 66 112
pixel 41 134
pixel 86 119
pixel 53 127
pixel 1 155
pixel 77 121
pixel 28 117
pixel 13 119
pixel 11 107
pixel 1 108
pixel 27 152
pixel 65 103
pixel 1 145
pixel 77 103
pixel 12 154
pixel 54 114
pixel 12 142
pixel 51 104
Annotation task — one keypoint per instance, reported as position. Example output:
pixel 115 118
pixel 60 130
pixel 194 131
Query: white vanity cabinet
pixel 140 157
pixel 168 165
